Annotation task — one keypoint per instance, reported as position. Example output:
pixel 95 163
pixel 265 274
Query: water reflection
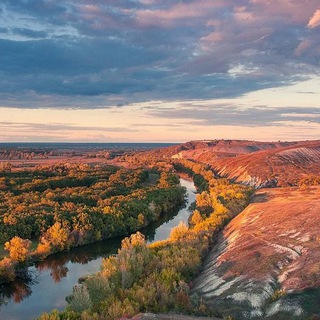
pixel 19 289
pixel 45 285
pixel 151 231
pixel 56 264
pixel 161 230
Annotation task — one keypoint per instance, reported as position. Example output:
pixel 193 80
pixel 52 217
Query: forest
pixel 53 208
pixel 158 277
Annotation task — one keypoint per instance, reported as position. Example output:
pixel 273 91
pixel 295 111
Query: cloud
pixel 94 54
pixel 29 33
pixel 315 20
pixel 232 115
pixel 57 127
pixel 183 12
pixel 303 47
pixel 32 131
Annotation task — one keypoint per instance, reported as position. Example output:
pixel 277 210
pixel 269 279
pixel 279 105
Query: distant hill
pixel 260 164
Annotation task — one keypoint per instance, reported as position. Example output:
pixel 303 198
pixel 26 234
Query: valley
pixel 250 246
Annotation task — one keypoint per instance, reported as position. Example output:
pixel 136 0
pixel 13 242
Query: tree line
pixel 51 209
pixel 158 277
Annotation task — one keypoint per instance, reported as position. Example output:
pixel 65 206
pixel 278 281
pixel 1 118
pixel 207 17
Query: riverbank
pixel 158 277
pixel 81 215
pixel 53 278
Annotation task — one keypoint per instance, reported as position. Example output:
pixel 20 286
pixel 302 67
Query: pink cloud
pixel 315 20
pixel 236 37
pixel 254 24
pixel 93 9
pixel 303 47
pixel 290 11
pixel 213 37
pixel 180 11
pixel 242 14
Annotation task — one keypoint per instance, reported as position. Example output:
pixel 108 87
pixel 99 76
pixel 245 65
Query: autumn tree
pixel 5 166
pixel 178 232
pixel 18 248
pixel 56 236
pixel 196 218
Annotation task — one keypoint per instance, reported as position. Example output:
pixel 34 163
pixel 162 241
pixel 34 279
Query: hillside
pixel 207 150
pixel 259 164
pixel 264 264
pixel 266 254
pixel 283 166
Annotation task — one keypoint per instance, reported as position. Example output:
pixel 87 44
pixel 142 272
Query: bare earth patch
pixel 260 164
pixel 272 245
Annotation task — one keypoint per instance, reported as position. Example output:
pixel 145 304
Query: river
pixel 51 280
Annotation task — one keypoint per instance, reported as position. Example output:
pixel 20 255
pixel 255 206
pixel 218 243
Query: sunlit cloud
pixel 315 20
pixel 119 57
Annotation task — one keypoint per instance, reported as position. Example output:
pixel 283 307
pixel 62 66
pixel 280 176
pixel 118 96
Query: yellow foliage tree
pixel 57 236
pixel 18 248
pixel 196 218
pixel 43 248
pixel 178 232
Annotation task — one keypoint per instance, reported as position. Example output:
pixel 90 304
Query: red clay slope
pixel 282 166
pixel 274 243
pixel 207 150
pixel 259 163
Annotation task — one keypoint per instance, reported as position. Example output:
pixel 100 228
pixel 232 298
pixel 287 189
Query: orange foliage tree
pixel 18 248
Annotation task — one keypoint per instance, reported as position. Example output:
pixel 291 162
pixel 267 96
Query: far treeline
pixel 52 208
pixel 158 277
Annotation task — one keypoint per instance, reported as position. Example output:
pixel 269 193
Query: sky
pixel 159 70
